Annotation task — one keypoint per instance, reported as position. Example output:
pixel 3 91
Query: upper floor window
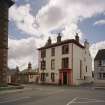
pixel 53 52
pixel 86 68
pixel 43 53
pixel 103 75
pixel 80 69
pixel 43 65
pixel 65 62
pixel 100 62
pixel 65 49
pixel 103 62
pixel 43 78
pixel 52 64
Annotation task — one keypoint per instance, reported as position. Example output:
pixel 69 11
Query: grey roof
pixel 11 71
pixel 100 55
pixel 26 70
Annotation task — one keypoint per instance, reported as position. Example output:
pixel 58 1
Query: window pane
pixel 100 62
pixel 43 65
pixel 52 64
pixel 52 77
pixel 53 52
pixel 65 49
pixel 65 62
pixel 43 53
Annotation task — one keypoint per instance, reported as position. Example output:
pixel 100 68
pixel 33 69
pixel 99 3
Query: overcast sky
pixel 31 22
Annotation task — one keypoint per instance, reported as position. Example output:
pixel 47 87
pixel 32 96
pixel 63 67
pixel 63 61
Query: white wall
pixel 78 54
pixel 32 78
pixel 84 56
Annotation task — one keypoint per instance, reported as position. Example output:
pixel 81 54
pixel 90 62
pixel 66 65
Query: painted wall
pixel 75 55
pixel 33 78
pixel 83 55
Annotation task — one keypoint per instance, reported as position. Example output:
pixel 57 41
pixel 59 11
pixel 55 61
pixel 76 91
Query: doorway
pixel 64 78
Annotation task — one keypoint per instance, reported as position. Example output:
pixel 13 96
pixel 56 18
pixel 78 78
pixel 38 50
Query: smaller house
pixel 13 75
pixel 99 65
pixel 29 75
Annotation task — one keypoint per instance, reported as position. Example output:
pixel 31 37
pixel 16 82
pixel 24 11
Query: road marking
pixel 15 100
pixel 87 99
pixel 92 100
pixel 72 101
pixel 89 102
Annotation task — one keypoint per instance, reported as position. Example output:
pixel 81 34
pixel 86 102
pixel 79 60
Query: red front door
pixel 65 77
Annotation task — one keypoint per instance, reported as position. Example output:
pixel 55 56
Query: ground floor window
pixel 43 76
pixel 101 75
pixel 52 77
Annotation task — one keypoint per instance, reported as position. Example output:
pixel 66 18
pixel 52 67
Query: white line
pixel 72 101
pixel 89 102
pixel 14 100
pixel 89 99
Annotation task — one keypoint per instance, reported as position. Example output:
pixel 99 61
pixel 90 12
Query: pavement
pixel 54 95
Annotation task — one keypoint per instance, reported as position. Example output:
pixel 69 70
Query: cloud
pixel 22 51
pixel 100 22
pixel 54 15
pixel 57 14
pixel 67 14
pixel 23 19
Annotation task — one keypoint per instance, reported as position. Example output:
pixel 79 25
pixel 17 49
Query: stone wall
pixel 3 41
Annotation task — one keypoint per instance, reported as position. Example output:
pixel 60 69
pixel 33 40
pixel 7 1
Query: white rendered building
pixel 65 62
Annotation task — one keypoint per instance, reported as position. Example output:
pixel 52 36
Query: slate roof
pixel 26 71
pixel 11 71
pixel 61 43
pixel 100 55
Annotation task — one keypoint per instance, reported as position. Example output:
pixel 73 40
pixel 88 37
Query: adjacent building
pixel 29 75
pixel 99 65
pixel 66 62
pixel 4 6
pixel 13 76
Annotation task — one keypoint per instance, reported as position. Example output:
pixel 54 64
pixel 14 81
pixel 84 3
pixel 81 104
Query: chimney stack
pixel 77 37
pixel 86 44
pixel 59 38
pixel 49 41
pixel 29 66
pixel 17 69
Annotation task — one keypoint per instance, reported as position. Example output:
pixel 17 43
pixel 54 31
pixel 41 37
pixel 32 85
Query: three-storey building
pixel 66 62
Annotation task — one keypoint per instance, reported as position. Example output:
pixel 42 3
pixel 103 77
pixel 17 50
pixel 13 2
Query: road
pixel 54 95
